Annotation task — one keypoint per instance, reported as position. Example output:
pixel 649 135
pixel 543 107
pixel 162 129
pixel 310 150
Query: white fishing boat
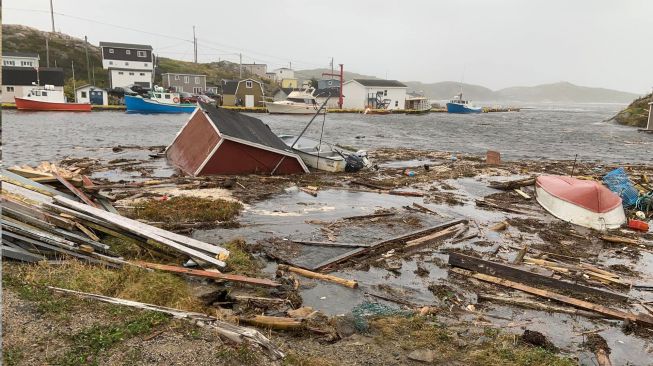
pixel 297 102
pixel 324 156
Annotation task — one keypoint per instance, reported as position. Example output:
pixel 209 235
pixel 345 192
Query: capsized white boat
pixel 581 202
pixel 325 156
pixel 297 102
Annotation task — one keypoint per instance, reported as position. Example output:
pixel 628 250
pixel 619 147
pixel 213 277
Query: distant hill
pixel 558 92
pixel 65 49
pixel 636 114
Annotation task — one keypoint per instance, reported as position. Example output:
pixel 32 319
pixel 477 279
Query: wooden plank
pixel 210 274
pixel 370 185
pixel 586 305
pixel 380 244
pixel 76 191
pixel 87 231
pixel 371 216
pixel 273 322
pixel 36 212
pixel 20 255
pixel 319 276
pixel 620 240
pixel 330 244
pixel 150 232
pixel 512 273
pixel 233 332
pixel 424 240
pixel 513 184
pixel 16 179
pixel 522 193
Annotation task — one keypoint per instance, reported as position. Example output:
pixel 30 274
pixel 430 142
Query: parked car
pixel 187 97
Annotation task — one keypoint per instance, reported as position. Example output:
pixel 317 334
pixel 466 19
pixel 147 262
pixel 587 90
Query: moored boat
pixel 159 101
pixel 462 106
pixel 581 202
pixel 48 99
pixel 324 156
pixel 297 102
pixel 417 104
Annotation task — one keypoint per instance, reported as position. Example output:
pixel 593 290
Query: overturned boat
pixel 582 202
pixel 324 156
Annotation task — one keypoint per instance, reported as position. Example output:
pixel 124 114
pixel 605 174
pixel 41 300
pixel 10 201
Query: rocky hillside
pixel 636 114
pixel 64 50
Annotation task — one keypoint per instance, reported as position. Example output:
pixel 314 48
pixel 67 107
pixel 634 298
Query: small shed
pixel 244 93
pixel 217 141
pixel 91 94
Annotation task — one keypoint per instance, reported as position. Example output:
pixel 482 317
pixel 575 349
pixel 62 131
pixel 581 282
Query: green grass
pixel 240 356
pixel 12 356
pixel 98 339
pixel 240 261
pixel 184 209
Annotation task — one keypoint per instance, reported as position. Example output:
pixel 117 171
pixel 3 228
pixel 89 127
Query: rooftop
pixel 381 82
pixel 20 54
pixel 125 45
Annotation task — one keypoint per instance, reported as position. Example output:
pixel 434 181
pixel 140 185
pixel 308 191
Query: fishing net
pixel 367 310
pixel 619 183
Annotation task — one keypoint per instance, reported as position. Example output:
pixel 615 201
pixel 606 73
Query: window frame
pixel 141 54
pixel 128 52
pixel 10 89
pixel 249 84
pixel 111 50
pixel 186 79
pixel 197 79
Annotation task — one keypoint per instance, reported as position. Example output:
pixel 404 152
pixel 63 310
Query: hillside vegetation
pixel 636 114
pixel 64 50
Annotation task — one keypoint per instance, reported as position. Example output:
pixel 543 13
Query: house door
pixel 249 101
pixel 96 97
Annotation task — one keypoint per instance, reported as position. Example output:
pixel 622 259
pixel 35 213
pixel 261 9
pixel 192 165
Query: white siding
pixel 125 79
pixel 79 98
pixel 20 61
pixel 19 91
pixel 134 65
pixel 356 95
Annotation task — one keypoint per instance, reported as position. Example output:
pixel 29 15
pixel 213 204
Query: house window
pixel 179 89
pixel 142 74
pixel 120 72
pixel 110 62
pixel 186 79
pixel 131 74
pixel 45 94
pixel 396 103
pixel 83 94
pixel 197 80
pixel 128 52
pixel 167 96
pixel 26 63
pixel 385 93
pixel 176 77
pixel 141 53
pixel 145 64
pixel 10 88
pixel 248 84
pixel 126 63
pixel 9 63
pixel 197 90
pixel 110 50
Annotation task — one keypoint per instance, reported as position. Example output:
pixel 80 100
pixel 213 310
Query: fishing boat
pixel 582 202
pixel 417 104
pixel 297 102
pixel 462 106
pixel 48 99
pixel 324 156
pixel 159 101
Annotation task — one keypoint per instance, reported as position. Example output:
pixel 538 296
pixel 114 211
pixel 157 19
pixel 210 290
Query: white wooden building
pixel 374 93
pixel 128 64
pixel 91 94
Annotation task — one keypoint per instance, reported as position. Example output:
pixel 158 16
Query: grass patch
pixel 184 209
pixel 294 359
pixel 242 355
pixel 500 349
pixel 91 342
pixel 240 261
pixel 12 356
pixel 159 288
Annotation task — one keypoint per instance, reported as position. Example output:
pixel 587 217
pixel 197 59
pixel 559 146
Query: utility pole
pixel 72 65
pixel 88 66
pixel 290 65
pixel 47 50
pixel 52 16
pixel 93 73
pixel 194 44
pixel 241 65
pixel 331 68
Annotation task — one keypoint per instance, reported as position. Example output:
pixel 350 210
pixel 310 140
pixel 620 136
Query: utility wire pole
pixel 88 66
pixel 194 45
pixel 241 65
pixel 72 65
pixel 52 16
pixel 47 50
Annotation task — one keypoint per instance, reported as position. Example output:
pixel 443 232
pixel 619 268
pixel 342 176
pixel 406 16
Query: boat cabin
pixel 165 97
pixel 46 94
pixel 417 104
pixel 302 96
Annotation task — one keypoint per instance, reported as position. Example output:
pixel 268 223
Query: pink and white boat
pixel 582 202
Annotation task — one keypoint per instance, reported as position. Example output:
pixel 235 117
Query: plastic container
pixel 638 225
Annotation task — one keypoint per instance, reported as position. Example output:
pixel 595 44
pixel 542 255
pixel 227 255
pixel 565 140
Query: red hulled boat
pixel 48 99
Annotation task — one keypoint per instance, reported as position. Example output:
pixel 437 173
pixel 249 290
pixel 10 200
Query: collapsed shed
pixel 218 141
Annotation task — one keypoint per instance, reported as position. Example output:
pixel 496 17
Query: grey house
pixel 189 83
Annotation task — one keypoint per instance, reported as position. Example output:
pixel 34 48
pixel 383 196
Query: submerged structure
pixel 216 141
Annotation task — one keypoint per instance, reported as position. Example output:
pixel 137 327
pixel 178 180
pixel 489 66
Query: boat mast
pixel 311 121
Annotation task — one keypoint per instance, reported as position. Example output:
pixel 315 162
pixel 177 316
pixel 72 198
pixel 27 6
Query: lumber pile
pixel 41 222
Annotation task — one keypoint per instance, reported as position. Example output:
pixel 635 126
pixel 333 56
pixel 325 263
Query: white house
pixel 91 94
pixel 283 73
pixel 20 59
pixel 374 93
pixel 128 64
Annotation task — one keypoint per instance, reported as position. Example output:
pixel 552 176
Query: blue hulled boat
pixel 159 102
pixel 459 105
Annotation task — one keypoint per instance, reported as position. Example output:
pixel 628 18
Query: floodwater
pixel 541 132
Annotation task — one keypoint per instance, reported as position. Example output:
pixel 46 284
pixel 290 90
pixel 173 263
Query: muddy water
pixel 546 131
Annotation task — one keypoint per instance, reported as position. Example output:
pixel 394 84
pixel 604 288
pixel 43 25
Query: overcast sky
pixel 500 43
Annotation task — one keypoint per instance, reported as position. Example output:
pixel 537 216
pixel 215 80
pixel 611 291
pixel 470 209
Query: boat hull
pixel 575 214
pixel 322 163
pixel 141 105
pixel 37 105
pixel 277 108
pixel 461 109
